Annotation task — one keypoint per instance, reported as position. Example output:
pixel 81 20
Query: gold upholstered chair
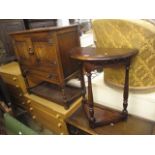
pixel 139 34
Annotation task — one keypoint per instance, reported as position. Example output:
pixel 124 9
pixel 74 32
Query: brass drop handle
pixel 59 125
pixel 28 101
pixel 30 51
pixel 14 78
pixel 31 109
pixel 33 117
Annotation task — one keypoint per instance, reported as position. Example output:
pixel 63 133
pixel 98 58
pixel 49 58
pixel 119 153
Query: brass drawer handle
pixel 28 102
pixel 57 116
pixel 31 109
pixel 17 86
pixel 14 78
pixel 59 125
pixel 30 51
pixel 33 117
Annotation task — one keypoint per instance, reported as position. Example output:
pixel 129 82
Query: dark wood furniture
pixel 11 25
pixel 78 125
pixel 96 58
pixel 43 55
pixel 7 26
pixel 39 23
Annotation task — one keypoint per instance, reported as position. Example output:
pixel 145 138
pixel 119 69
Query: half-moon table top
pixel 101 54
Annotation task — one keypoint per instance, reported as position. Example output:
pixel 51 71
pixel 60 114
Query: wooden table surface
pixel 132 126
pixel 92 59
pixel 89 54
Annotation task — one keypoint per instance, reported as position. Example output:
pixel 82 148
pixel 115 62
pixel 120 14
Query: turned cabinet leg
pixel 66 106
pixel 90 101
pixel 25 72
pixel 126 89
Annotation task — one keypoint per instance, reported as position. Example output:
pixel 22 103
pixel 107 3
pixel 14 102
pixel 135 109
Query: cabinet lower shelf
pixel 78 124
pixel 104 115
pixel 54 93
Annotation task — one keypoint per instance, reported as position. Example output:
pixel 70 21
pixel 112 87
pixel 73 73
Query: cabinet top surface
pixel 11 68
pixel 101 54
pixel 54 28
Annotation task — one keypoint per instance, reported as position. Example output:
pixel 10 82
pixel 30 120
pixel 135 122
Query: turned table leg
pixel 83 86
pixel 90 101
pixel 126 89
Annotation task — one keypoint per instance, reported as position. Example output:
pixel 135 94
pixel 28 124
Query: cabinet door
pixel 45 48
pixel 24 50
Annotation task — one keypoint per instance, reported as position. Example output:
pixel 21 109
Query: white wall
pixel 142 105
pixel 63 22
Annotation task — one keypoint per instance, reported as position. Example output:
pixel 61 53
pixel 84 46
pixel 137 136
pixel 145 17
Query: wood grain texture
pixel 44 55
pixel 11 74
pixel 96 58
pixel 102 54
pixel 51 115
pixel 132 126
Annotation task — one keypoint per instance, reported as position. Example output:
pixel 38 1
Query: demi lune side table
pixel 96 58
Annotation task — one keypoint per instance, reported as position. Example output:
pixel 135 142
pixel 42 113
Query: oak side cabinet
pixel 44 58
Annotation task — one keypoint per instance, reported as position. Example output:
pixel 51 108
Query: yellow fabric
pixel 138 34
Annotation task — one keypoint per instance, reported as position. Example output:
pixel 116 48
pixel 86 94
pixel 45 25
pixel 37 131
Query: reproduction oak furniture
pixel 97 58
pixel 122 33
pixel 43 55
pixel 11 75
pixel 78 124
pixel 11 25
pixel 48 114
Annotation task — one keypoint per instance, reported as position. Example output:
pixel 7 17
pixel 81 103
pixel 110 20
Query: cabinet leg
pixel 126 89
pixel 66 106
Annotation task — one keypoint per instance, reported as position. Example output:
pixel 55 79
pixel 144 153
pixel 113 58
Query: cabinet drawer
pixel 10 79
pixel 19 101
pixel 43 68
pixel 16 91
pixel 48 120
pixel 53 112
pixel 16 81
pixel 45 76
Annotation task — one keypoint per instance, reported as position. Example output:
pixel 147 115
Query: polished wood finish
pixel 49 114
pixel 11 74
pixel 51 92
pixel 126 88
pixel 8 26
pixel 15 83
pixel 44 56
pixel 94 58
pixel 97 55
pixel 78 124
